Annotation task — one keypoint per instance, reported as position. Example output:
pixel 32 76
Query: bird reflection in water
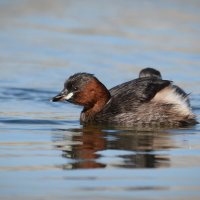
pixel 87 147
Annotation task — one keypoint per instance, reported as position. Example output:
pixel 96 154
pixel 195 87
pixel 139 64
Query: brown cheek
pixel 87 97
pixel 83 98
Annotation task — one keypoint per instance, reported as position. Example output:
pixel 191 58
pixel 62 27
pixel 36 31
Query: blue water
pixel 44 152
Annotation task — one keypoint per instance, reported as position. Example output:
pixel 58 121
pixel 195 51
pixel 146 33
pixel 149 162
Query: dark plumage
pixel 147 100
pixel 151 72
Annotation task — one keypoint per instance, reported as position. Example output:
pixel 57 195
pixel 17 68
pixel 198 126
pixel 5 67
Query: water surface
pixel 44 152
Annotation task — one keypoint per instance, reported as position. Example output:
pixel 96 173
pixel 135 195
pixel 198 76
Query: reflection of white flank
pixel 170 96
pixel 69 96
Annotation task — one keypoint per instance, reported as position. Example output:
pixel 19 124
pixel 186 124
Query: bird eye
pixel 75 88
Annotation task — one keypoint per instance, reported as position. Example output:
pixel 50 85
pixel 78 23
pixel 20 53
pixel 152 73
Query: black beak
pixel 60 96
pixel 64 95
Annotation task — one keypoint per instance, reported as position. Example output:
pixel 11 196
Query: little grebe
pixel 145 100
pixel 151 72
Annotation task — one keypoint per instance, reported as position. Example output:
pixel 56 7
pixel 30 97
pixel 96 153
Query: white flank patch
pixel 69 96
pixel 170 96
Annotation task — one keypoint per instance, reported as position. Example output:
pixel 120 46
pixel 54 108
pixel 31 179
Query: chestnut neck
pixel 101 97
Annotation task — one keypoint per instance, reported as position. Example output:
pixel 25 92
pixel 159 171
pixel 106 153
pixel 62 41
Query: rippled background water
pixel 44 152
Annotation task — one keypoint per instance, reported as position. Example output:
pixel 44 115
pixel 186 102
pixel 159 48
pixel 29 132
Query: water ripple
pixel 25 94
pixel 33 121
